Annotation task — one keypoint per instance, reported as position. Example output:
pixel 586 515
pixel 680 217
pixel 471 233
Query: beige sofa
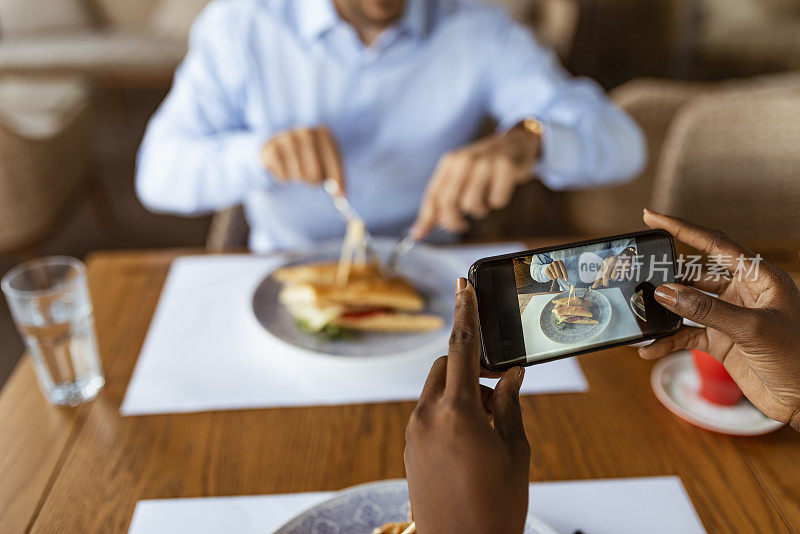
pixel 45 126
pixel 722 154
pixel 114 42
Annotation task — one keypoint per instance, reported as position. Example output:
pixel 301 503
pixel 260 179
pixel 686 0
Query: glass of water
pixel 49 301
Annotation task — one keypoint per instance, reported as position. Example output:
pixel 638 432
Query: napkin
pixel 656 505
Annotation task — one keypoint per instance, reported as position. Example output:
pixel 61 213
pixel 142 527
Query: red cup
pixel 716 385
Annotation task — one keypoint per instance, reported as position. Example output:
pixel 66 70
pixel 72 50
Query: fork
pixel 349 213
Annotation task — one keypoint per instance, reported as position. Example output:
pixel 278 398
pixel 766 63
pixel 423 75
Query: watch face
pixel 533 126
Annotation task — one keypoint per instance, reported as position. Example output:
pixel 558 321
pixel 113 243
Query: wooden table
pixel 84 469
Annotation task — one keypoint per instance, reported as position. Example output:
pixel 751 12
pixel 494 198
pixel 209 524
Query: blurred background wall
pixel 711 82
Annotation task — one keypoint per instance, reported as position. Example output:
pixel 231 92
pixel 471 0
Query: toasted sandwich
pixel 579 320
pixel 366 303
pixel 389 321
pixel 574 314
pixel 567 311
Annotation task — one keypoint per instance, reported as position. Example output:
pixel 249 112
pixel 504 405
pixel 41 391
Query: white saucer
pixel 676 384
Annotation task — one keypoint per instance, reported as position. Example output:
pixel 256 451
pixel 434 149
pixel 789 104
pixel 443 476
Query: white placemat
pixel 622 326
pixel 656 505
pixel 206 351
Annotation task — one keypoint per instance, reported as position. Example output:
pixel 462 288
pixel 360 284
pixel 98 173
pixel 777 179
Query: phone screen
pixel 545 304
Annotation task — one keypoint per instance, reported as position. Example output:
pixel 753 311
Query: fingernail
pixel 461 284
pixel 666 296
pixel 520 377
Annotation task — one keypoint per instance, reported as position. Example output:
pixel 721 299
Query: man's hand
pixel 557 271
pixel 305 155
pixel 464 473
pixel 475 179
pixel 753 328
pixel 613 268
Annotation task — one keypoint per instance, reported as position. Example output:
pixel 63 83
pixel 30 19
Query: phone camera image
pixel 575 298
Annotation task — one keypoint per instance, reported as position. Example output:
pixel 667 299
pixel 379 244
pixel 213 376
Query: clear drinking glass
pixel 49 301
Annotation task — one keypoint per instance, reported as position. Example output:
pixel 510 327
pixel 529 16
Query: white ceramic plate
pixel 638 312
pixel 360 509
pixel 676 384
pixel 432 272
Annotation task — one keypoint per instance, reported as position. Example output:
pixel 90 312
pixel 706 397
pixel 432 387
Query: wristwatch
pixel 533 126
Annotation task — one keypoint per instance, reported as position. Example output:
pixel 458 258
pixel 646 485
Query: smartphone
pixel 541 305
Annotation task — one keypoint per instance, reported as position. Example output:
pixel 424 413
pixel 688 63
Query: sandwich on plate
pixel 573 310
pixel 352 295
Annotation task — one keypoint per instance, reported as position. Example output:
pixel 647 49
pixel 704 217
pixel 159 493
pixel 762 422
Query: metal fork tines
pixel 340 201
pixel 349 213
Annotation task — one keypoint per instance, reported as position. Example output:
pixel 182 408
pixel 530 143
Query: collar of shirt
pixel 316 17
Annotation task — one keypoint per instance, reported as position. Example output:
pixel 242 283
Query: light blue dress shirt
pixel 424 87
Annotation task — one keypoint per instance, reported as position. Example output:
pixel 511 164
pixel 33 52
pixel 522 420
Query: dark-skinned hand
pixel 467 458
pixel 753 327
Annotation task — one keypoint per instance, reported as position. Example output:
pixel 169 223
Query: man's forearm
pixel 537 273
pixel 187 175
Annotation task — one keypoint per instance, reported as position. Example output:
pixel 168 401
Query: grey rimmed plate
pixel 568 333
pixel 360 509
pixel 432 272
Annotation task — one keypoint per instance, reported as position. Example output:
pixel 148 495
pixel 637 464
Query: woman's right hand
pixel 307 155
pixel 753 328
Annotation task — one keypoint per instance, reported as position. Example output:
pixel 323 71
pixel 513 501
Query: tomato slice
pixel 364 313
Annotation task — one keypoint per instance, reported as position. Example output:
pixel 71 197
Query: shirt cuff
pixel 562 147
pixel 246 148
pixel 537 273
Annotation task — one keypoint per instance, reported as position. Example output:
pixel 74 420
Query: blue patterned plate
pixel 360 509
pixel 576 333
pixel 432 272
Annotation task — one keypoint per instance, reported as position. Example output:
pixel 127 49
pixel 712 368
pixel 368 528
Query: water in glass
pixel 51 307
